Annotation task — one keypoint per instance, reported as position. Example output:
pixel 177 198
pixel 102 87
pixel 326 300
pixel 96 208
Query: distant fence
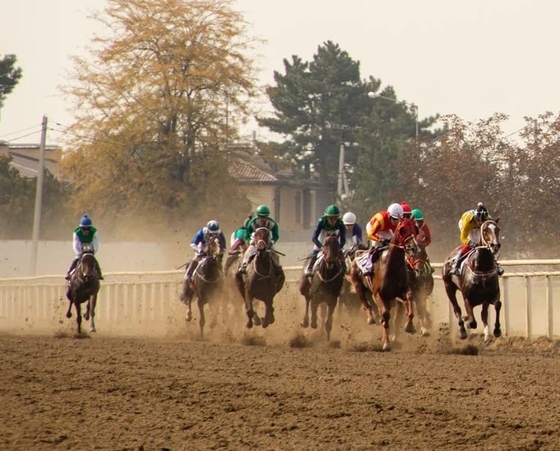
pixel 141 300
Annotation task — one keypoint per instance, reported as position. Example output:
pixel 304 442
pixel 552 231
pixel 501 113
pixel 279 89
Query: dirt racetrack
pixel 241 392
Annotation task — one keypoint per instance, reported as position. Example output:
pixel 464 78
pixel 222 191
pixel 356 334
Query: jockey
pixel 237 240
pixel 84 234
pixel 200 245
pixel 381 227
pixel 424 236
pixel 328 224
pixel 262 219
pixel 353 229
pixel 469 225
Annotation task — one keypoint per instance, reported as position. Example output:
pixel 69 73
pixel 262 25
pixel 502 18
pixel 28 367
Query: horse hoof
pixel 462 334
pixel 313 325
pixel 86 317
pixel 473 325
pixel 424 332
pixel 497 333
pixel 249 325
pixel 386 347
pixel 92 329
pixel 264 324
pixel 69 315
pixel 410 329
pixel 188 317
pixel 305 323
pixel 371 321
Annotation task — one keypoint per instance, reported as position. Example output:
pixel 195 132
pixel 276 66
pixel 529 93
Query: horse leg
pixel 484 317
pixel 385 310
pixel 268 316
pixel 361 292
pixel 471 321
pixel 69 311
pixel 451 291
pixel 202 319
pixel 497 327
pixel 314 308
pixel 79 317
pixel 329 321
pixel 423 315
pixel 93 301
pixel 408 304
pixel 304 291
pixel 249 310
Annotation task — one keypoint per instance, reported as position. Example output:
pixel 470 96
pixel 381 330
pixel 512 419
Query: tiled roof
pixel 28 173
pixel 248 173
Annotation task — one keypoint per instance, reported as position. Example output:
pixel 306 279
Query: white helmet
pixel 395 211
pixel 349 218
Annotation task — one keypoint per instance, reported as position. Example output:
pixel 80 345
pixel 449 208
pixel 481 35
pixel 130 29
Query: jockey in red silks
pixel 469 225
pixel 407 210
pixel 424 236
pixel 381 227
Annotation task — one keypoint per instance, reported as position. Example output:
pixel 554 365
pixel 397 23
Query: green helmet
pixel 417 214
pixel 332 210
pixel 263 210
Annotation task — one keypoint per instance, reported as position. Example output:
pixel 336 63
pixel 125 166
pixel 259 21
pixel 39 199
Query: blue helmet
pixel 213 226
pixel 85 221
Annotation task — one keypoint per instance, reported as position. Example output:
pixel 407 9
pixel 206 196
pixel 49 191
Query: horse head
pixel 86 267
pixel 490 235
pixel 214 249
pixel 262 239
pixel 331 250
pixel 405 236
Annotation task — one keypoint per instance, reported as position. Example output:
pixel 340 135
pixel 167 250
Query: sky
pixel 471 58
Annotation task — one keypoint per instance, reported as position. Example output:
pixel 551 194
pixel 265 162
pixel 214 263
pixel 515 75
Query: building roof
pixel 245 172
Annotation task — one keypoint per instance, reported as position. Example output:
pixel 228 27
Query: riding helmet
pixel 332 210
pixel 263 210
pixel 349 218
pixel 395 211
pixel 213 226
pixel 417 214
pixel 86 221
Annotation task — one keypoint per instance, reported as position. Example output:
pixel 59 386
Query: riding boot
pixel 309 268
pixel 99 272
pixel 72 267
pixel 455 270
pixel 243 268
pixel 190 270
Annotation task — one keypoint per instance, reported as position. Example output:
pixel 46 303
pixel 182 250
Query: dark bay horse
pixel 421 285
pixel 478 281
pixel 262 280
pixel 389 280
pixel 206 286
pixel 325 285
pixel 83 286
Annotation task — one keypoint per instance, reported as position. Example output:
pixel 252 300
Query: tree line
pixel 160 97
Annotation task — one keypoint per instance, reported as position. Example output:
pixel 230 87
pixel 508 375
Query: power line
pixel 20 131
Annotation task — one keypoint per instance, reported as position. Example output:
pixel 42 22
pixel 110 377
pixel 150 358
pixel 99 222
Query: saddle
pixel 366 260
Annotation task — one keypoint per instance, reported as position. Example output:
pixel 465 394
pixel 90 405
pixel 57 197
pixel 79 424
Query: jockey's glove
pixel 472 243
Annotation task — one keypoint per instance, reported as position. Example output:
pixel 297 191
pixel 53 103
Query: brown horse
pixel 389 280
pixel 262 280
pixel 206 285
pixel 325 285
pixel 478 281
pixel 83 286
pixel 421 285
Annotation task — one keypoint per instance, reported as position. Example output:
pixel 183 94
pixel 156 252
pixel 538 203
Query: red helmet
pixel 407 210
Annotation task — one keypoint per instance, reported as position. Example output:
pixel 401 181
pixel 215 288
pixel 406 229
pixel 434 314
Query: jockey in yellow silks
pixel 469 226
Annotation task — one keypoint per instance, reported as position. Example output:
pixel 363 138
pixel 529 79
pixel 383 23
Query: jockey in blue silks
pixel 200 245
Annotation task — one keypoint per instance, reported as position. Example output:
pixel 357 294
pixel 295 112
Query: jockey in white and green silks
pixel 85 233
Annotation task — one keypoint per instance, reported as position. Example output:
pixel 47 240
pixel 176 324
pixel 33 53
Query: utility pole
pixel 38 198
pixel 340 186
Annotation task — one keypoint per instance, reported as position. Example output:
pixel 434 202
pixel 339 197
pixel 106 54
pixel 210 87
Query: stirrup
pixel 456 271
pixel 500 270
pixel 242 269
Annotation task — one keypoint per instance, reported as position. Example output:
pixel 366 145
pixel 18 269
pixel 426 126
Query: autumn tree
pixel 9 76
pixel 150 106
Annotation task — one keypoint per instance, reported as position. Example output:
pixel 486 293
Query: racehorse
pixel 83 286
pixel 325 285
pixel 262 280
pixel 478 281
pixel 206 285
pixel 389 280
pixel 421 285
